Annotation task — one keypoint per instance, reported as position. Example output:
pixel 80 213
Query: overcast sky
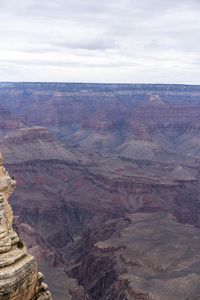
pixel 155 41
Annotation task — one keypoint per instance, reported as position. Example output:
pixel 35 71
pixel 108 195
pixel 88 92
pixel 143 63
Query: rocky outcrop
pixel 40 143
pixel 19 277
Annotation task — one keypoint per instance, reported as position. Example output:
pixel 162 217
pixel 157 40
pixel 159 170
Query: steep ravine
pixel 147 256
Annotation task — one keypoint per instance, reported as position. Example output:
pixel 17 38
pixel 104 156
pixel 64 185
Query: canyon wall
pixel 19 277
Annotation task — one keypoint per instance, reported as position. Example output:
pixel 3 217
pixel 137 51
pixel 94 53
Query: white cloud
pixel 101 41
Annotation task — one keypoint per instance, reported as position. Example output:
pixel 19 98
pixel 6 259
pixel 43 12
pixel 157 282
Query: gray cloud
pixel 146 40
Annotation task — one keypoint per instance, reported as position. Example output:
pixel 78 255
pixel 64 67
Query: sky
pixel 136 41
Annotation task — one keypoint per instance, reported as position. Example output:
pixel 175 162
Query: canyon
pixel 108 194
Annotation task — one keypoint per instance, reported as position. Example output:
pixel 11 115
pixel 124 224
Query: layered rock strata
pixel 142 256
pixel 19 277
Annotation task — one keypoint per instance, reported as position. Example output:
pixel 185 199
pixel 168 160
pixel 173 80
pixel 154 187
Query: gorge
pixel 107 195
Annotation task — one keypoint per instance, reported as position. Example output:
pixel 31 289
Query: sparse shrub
pixel 20 244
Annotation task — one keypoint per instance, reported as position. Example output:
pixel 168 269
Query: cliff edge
pixel 19 276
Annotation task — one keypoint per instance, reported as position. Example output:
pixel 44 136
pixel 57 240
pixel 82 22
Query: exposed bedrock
pixel 19 277
pixel 146 256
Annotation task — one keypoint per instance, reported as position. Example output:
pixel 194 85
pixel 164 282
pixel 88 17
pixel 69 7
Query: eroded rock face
pixel 149 256
pixel 19 277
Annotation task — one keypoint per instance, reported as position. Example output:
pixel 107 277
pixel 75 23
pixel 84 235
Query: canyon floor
pixel 108 186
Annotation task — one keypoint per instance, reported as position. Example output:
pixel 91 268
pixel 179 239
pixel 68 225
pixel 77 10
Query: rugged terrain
pixel 147 256
pixel 92 159
pixel 19 277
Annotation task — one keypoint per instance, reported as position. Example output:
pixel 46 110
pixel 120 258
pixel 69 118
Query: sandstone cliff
pixel 19 277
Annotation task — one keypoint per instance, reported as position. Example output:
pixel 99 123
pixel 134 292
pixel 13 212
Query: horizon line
pixel 97 83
